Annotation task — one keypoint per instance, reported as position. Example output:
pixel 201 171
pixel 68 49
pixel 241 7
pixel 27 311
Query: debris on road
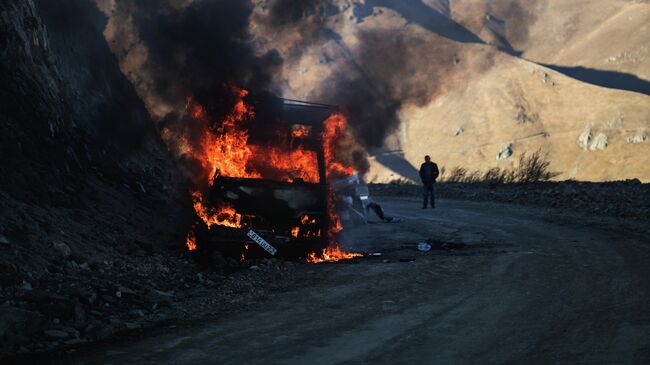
pixel 438 245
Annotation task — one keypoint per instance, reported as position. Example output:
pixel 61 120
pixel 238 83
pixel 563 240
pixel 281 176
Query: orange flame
pixel 331 254
pixel 224 215
pixel 300 131
pixel 285 165
pixel 332 133
pixel 243 253
pixel 334 129
pixel 308 228
pixel 223 149
pixel 190 241
pixel 305 219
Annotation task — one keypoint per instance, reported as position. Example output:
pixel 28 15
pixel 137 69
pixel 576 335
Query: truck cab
pixel 277 215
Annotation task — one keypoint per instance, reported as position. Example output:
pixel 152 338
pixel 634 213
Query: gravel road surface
pixel 529 285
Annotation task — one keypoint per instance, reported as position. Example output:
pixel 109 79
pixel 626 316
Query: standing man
pixel 428 173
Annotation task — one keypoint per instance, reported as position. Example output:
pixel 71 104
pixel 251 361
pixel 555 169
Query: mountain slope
pixel 552 85
pixel 529 107
pixel 545 89
pixel 582 37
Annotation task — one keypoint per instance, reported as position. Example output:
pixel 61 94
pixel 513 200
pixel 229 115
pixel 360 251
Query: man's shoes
pixel 424 207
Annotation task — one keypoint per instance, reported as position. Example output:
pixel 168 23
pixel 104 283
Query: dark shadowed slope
pixel 605 78
pixel 418 13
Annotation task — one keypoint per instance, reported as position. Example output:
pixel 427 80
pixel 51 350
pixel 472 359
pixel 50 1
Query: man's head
pixel 427 158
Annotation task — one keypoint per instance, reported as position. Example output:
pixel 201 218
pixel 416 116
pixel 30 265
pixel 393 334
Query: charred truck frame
pixel 278 218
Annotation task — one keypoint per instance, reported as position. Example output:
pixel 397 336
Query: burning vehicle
pixel 268 165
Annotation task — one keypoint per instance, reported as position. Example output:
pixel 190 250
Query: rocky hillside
pixel 85 178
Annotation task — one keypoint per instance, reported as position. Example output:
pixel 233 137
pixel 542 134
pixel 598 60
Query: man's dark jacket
pixel 429 173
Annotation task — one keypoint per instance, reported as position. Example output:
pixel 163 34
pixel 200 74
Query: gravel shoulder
pixel 628 199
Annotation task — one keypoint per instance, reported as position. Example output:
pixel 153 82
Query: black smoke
pixel 203 49
pixel 386 70
pixel 282 13
pixel 364 98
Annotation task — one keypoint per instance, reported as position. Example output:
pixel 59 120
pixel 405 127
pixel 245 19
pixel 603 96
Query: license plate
pixel 260 241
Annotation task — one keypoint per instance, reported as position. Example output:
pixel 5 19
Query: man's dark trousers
pixel 427 192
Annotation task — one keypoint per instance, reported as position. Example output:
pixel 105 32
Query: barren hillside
pixel 605 35
pixel 476 79
pixel 519 106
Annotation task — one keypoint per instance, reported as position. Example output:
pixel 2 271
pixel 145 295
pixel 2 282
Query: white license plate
pixel 260 241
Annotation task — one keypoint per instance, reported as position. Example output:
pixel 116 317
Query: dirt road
pixel 530 286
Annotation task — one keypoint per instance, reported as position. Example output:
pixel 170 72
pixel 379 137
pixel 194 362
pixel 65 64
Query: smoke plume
pixel 376 71
pixel 175 48
pixel 203 49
